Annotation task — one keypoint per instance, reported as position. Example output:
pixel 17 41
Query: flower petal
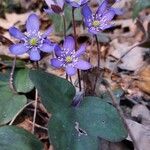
pixel 108 16
pixel 47 32
pixel 83 65
pixel 86 12
pixel 84 1
pixel 118 11
pixel 34 54
pixel 69 43
pixel 48 11
pixel 58 50
pixel 49 2
pixel 60 3
pixel 105 26
pixel 47 47
pixel 56 63
pixel 81 50
pixel 73 3
pixel 102 8
pixel 70 70
pixel 33 23
pixel 93 31
pixel 16 33
pixel 18 49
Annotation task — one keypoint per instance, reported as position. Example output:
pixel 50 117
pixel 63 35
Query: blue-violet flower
pixel 99 21
pixel 76 3
pixel 32 41
pixel 68 58
pixel 55 6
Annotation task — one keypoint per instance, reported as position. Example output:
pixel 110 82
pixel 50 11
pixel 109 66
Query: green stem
pixel 35 104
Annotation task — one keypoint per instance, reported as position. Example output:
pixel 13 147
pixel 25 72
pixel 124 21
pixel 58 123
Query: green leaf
pixel 139 6
pixel 117 93
pixel 104 119
pixel 58 20
pixel 22 81
pixel 10 104
pixel 56 93
pixel 78 16
pixel 14 138
pixel 95 117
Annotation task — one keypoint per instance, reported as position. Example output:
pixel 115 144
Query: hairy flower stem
pixel 98 52
pixel 64 22
pixel 11 79
pixel 35 105
pixel 116 104
pixel 75 37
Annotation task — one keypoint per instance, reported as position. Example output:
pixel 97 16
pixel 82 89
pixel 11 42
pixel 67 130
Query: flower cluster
pixel 34 42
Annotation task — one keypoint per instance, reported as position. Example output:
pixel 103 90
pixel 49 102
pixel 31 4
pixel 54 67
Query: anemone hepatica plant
pixel 32 41
pixel 68 58
pixel 78 121
pixel 99 21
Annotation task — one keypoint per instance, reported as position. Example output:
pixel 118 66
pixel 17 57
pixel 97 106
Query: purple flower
pixel 68 59
pixel 100 20
pixel 32 41
pixel 55 6
pixel 77 3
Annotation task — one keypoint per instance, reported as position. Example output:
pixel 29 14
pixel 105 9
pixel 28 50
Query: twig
pixel 38 126
pixel 98 52
pixel 35 110
pixel 75 37
pixel 18 113
pixel 130 49
pixel 116 104
pixel 11 79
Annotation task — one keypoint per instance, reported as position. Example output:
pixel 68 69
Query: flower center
pixel 33 41
pixel 96 23
pixel 68 59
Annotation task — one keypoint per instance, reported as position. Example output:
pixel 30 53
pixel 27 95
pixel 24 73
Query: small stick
pixel 130 49
pixel 75 37
pixel 11 79
pixel 38 126
pixel 18 113
pixel 116 104
pixel 98 52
